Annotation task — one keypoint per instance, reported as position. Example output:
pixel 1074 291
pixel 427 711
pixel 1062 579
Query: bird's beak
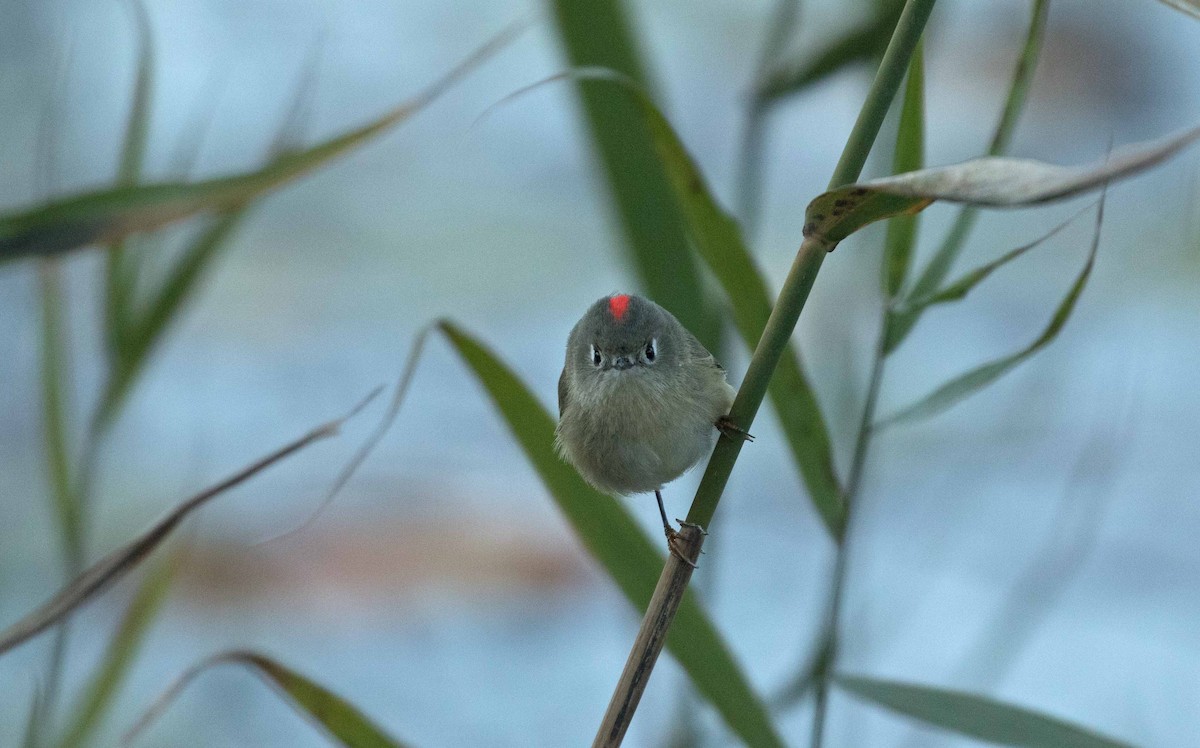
pixel 621 363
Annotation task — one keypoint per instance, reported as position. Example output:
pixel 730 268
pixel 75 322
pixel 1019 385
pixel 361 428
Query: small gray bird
pixel 640 400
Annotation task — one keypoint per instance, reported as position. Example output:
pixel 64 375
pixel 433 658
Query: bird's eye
pixel 651 350
pixel 597 359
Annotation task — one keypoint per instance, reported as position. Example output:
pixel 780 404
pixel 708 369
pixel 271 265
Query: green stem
pixel 54 415
pixel 829 636
pixel 808 260
pixel 53 365
pixel 754 385
pixel 883 89
pixel 673 582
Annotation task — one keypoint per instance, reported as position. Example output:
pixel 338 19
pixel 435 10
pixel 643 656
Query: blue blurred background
pixel 1037 543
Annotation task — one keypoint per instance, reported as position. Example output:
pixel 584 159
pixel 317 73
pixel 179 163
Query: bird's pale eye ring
pixel 651 351
pixel 597 359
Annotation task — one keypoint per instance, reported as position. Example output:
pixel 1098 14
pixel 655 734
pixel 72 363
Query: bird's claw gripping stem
pixel 674 542
pixel 727 427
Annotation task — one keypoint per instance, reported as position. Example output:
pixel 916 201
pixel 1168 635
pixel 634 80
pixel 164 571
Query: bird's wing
pixel 696 350
pixel 563 392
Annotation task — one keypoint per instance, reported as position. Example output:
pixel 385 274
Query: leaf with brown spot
pixel 991 182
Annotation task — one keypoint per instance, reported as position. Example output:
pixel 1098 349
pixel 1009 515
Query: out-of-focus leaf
pixel 718 240
pixel 596 33
pixel 121 651
pixel 609 533
pixel 1191 7
pixel 861 44
pixel 812 671
pixel 109 215
pixel 961 386
pixel 54 371
pixel 360 456
pixel 976 716
pixel 100 575
pixel 958 290
pixel 120 275
pixel 909 156
pixel 939 265
pixel 993 182
pixel 146 328
pixel 338 718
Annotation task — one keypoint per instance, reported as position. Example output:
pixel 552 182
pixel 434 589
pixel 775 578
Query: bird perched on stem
pixel 640 400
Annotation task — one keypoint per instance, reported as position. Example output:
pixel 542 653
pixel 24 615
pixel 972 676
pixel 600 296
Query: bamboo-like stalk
pixel 651 637
pixel 782 322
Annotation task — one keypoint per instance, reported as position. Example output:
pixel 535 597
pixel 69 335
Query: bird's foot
pixel 675 542
pixel 727 427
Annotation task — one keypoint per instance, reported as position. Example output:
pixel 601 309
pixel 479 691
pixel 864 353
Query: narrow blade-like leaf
pixel 976 716
pixel 109 215
pixel 597 33
pixel 144 326
pixel 337 717
pixel 964 385
pixel 909 156
pixel 957 290
pixel 860 45
pixel 992 182
pixel 102 574
pixel 943 259
pixel 121 651
pixel 610 534
pixel 120 268
pixel 147 326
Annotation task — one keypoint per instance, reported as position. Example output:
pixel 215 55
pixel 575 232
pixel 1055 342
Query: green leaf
pixel 909 156
pixel 112 214
pixel 120 273
pixel 610 534
pixel 338 718
pixel 102 574
pixel 54 374
pixel 860 45
pixel 121 651
pixel 718 240
pixel 147 326
pixel 958 290
pixel 993 182
pixel 1191 7
pixel 938 268
pixel 964 385
pixel 597 33
pixel 976 716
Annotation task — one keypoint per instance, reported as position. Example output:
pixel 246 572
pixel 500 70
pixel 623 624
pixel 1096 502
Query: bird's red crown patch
pixel 618 305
